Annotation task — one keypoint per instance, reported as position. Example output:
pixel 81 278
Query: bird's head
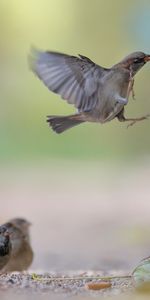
pixel 21 224
pixel 134 61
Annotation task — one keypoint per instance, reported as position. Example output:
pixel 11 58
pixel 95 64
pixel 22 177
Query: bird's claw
pixel 137 120
pixel 131 124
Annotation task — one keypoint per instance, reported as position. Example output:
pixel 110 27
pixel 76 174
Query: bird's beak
pixel 147 58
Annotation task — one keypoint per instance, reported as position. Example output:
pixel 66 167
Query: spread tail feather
pixel 60 124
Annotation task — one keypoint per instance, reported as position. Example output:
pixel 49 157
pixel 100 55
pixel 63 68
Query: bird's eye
pixel 138 60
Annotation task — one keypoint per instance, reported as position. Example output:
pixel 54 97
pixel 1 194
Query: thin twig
pixel 105 278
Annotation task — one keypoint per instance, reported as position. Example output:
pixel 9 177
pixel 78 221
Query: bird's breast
pixel 114 84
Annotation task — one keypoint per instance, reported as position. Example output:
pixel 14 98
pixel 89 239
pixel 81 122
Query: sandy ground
pixel 85 216
pixel 52 284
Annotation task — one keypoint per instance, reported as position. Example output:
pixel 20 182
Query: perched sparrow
pixel 5 246
pixel 21 253
pixel 99 94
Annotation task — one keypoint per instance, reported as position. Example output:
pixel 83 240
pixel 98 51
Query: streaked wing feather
pixel 75 79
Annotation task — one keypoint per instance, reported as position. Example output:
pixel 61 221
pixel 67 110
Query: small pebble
pixel 98 285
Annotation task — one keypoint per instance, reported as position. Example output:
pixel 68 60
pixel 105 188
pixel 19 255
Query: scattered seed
pixel 98 285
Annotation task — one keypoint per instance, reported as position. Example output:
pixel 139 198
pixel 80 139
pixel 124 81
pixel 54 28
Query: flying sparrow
pixel 99 94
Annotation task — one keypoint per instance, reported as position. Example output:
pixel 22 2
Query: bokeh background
pixel 87 191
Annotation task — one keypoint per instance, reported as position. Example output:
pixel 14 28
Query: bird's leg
pixel 134 120
pixel 122 118
pixel 121 100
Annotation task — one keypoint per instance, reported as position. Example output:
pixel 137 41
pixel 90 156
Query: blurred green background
pixel 105 31
pixel 89 208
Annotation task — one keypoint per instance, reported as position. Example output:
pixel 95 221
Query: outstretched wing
pixel 76 79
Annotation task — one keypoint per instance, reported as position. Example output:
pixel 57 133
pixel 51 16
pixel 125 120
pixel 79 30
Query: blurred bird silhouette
pixel 99 94
pixel 19 252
